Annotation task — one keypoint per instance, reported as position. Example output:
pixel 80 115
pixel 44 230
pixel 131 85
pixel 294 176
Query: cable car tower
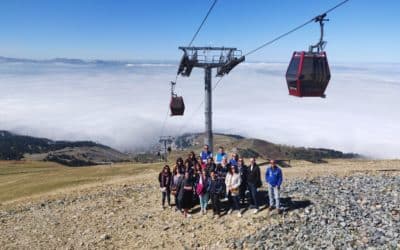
pixel 224 59
pixel 166 140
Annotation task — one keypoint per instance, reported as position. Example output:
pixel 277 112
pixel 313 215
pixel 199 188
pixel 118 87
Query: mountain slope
pixel 80 153
pixel 250 147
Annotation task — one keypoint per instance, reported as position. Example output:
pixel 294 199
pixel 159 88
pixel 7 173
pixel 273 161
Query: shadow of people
pixel 288 204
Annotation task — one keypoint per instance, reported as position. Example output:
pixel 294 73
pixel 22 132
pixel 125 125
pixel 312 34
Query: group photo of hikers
pixel 225 184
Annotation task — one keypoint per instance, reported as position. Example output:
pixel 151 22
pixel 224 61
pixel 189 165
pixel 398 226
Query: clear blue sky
pixel 361 30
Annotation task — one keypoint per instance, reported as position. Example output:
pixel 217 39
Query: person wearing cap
pixel 273 177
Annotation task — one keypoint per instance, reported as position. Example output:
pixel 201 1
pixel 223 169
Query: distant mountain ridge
pixel 250 147
pixel 79 153
pixel 75 61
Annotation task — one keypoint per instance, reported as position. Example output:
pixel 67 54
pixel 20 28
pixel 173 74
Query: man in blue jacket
pixel 273 177
pixel 220 155
pixel 205 154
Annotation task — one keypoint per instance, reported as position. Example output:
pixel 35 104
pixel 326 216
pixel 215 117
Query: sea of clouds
pixel 124 105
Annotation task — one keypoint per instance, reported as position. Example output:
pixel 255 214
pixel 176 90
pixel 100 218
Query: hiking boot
pixel 271 208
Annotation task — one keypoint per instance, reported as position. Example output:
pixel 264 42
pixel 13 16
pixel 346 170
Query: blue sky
pixel 360 31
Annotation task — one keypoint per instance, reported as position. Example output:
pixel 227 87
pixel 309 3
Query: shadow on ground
pixel 287 203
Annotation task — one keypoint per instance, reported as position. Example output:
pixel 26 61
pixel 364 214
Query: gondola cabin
pixel 308 74
pixel 177 106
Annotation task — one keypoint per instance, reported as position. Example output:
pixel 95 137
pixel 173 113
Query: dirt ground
pixel 124 211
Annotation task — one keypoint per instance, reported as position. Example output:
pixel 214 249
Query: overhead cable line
pixel 264 45
pixel 199 28
pixel 198 107
pixel 202 23
pixel 259 47
pixel 191 41
pixel 295 29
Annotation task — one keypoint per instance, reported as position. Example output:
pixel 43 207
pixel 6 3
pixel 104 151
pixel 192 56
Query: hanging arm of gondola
pixel 173 94
pixel 321 43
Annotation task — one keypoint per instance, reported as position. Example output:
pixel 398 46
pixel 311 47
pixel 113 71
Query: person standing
pixel 220 155
pixel 175 187
pixel 242 168
pixel 273 177
pixel 192 160
pixel 205 154
pixel 232 183
pixel 188 168
pixel 253 182
pixel 186 193
pixel 165 180
pixel 234 159
pixel 180 167
pixel 210 166
pixel 202 190
pixel 216 189
pixel 222 170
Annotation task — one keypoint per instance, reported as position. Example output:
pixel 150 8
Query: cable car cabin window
pixel 293 67
pixel 311 75
pixel 291 74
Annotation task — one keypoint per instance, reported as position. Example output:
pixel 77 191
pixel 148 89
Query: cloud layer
pixel 124 106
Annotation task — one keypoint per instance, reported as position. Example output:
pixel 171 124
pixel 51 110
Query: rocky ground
pixel 334 211
pixel 354 212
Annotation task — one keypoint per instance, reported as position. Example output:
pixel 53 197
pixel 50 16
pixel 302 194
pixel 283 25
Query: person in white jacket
pixel 232 182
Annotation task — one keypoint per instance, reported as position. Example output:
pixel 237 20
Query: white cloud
pixel 124 107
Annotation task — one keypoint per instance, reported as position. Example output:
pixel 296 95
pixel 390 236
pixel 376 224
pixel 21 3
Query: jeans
pixel 203 201
pixel 273 194
pixel 215 203
pixel 253 195
pixel 167 195
pixel 233 201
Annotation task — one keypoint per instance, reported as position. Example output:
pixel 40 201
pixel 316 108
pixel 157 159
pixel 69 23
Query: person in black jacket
pixel 221 171
pixel 216 189
pixel 253 182
pixel 192 160
pixel 165 180
pixel 179 166
pixel 243 169
pixel 210 166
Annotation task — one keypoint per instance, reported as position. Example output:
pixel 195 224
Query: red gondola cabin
pixel 308 74
pixel 177 105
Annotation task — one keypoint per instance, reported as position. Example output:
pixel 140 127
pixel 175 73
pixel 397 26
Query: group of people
pixel 198 180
